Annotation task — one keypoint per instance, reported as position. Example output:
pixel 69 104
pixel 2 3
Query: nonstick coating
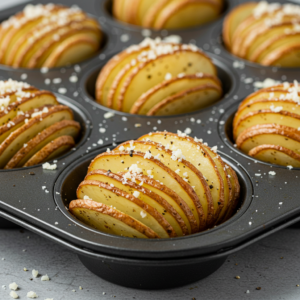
pixel 39 202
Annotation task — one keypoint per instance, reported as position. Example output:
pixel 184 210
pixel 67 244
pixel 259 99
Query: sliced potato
pixel 277 92
pixel 271 134
pixel 169 88
pixel 234 18
pixel 199 157
pixel 118 160
pixel 186 13
pixel 63 128
pixel 152 72
pixel 287 55
pixel 144 194
pixel 109 220
pixel 257 105
pixel 18 121
pixel 43 30
pixel 183 168
pixel 118 8
pixel 88 37
pixel 112 69
pixel 235 191
pixel 258 40
pixel 126 203
pixel 71 51
pixel 34 100
pixel 187 101
pixel 153 13
pixel 170 196
pixel 228 193
pixel 266 116
pixel 276 45
pixel 52 150
pixel 277 155
pixel 15 141
pixel 144 8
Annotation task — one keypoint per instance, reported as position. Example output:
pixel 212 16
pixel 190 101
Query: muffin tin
pixel 37 199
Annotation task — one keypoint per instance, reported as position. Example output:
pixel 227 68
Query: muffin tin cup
pixel 37 199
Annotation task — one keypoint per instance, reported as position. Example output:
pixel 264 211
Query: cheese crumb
pixel 168 76
pixel 47 166
pixel 14 295
pixel 188 131
pixel 148 155
pixel 45 278
pixel 13 286
pixel 108 115
pixel 257 174
pixel 35 273
pixel 136 194
pixel 276 109
pixel 32 295
pixel 289 167
pixel 143 214
pixel 85 197
pixel 273 173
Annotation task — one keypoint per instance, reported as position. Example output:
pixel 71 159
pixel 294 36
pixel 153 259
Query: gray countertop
pixel 272 264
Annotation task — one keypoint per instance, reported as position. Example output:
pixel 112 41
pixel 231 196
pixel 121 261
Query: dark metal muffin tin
pixel 39 202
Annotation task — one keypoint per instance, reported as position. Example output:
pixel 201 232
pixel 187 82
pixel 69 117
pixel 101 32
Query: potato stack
pixel 168 14
pixel 267 34
pixel 34 127
pixel 156 78
pixel 48 36
pixel 162 185
pixel 267 125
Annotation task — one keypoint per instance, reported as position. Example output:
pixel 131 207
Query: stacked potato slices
pixel 162 185
pixel 268 34
pixel 34 127
pixel 48 36
pixel 267 125
pixel 168 14
pixel 156 78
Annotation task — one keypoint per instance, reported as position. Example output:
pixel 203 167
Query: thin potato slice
pixel 262 104
pixel 144 194
pixel 16 32
pixel 187 101
pixel 272 134
pixel 286 56
pixel 15 141
pixel 266 116
pixel 186 13
pixel 88 35
pixel 183 168
pixel 277 92
pixel 31 40
pixel 63 128
pixel 198 156
pixel 109 220
pixel 126 203
pixel 277 155
pixel 18 121
pixel 32 101
pixel 152 72
pixel 153 13
pixel 171 197
pixel 112 69
pixel 117 160
pixel 228 193
pixel 257 40
pixel 278 43
pixel 235 190
pixel 234 18
pixel 143 9
pixel 42 35
pixel 170 87
pixel 52 150
pixel 73 50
